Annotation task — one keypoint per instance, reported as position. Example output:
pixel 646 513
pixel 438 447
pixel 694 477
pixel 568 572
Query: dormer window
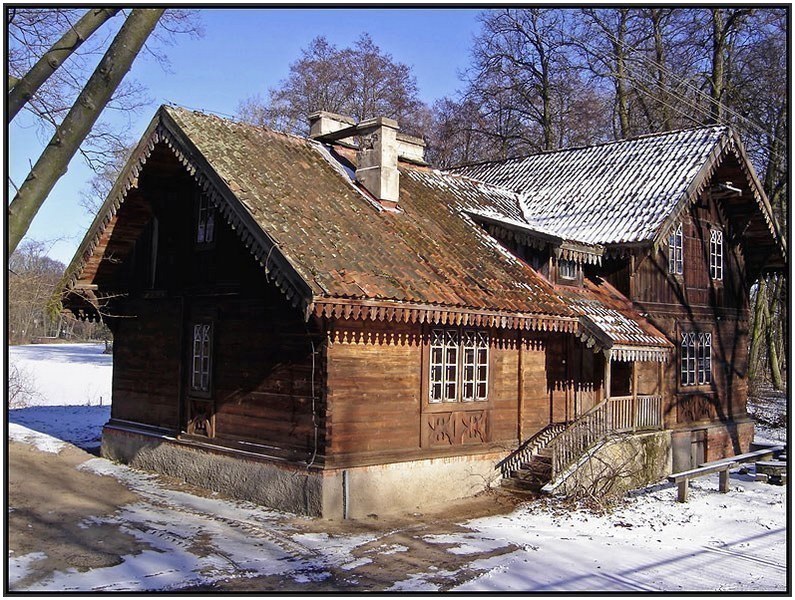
pixel 675 251
pixel 567 269
pixel 205 221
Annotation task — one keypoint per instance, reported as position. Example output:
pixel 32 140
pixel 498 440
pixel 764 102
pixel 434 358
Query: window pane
pixel 567 269
pixel 449 392
pixel 675 250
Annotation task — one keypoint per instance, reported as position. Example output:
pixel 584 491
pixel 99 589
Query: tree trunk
pixel 772 332
pixel 622 94
pixel 23 89
pixel 716 80
pixel 70 134
pixel 659 59
pixel 756 333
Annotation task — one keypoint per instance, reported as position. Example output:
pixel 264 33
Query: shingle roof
pixel 611 317
pixel 290 196
pixel 613 193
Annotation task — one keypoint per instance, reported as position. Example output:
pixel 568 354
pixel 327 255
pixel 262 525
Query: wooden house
pixel 329 326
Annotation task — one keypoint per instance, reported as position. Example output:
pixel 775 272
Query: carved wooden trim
pixel 456 428
pixel 440 315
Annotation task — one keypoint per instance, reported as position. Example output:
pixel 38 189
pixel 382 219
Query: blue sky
pixel 244 52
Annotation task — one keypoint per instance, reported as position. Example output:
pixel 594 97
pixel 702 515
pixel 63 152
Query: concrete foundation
pixel 329 493
pixel 619 464
pixel 406 486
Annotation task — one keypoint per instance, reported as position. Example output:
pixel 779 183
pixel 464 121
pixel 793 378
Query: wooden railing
pixel 614 415
pixel 629 414
pixel 523 454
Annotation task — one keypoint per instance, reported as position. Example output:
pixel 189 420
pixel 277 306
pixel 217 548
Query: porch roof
pixel 611 322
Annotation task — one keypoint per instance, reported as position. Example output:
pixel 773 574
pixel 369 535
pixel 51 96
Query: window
pixel 476 366
pixel 704 359
pixel 696 357
pixel 200 364
pixel 675 246
pixel 205 221
pixel 567 269
pixel 716 254
pixel 459 366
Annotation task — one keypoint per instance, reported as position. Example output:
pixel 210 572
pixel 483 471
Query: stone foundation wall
pixel 293 489
pixel 619 464
pixel 334 493
pixel 718 440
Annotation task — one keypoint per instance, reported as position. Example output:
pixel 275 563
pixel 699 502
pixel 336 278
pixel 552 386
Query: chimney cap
pixel 324 114
pixel 374 122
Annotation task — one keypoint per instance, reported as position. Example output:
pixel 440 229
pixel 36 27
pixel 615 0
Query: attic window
pixel 205 221
pixel 567 269
pixel 675 251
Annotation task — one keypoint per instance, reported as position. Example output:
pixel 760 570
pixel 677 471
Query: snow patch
pixel 42 441
pixel 19 566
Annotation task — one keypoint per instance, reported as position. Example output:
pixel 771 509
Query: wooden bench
pixel 762 454
pixel 683 479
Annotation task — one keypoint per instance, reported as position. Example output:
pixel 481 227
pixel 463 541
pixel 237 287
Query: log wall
pixel 695 302
pixel 263 367
pixel 377 392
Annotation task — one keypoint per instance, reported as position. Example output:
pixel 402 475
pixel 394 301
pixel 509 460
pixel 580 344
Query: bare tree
pixel 22 89
pixel 78 122
pixel 525 51
pixel 361 81
pixel 32 280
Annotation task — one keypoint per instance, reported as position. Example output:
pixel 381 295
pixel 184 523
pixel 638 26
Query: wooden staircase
pixel 545 456
pixel 529 468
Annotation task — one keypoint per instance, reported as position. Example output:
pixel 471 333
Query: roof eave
pixel 264 248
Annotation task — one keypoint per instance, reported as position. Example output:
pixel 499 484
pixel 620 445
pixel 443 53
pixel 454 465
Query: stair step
pixel 528 474
pixel 522 485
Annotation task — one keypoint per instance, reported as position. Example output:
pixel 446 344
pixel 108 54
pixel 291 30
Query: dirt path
pixel 70 523
pixel 51 504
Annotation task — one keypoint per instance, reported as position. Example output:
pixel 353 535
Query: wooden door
pixel 698 447
pixel 198 402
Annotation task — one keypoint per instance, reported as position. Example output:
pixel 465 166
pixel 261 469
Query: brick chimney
pixel 381 145
pixel 378 158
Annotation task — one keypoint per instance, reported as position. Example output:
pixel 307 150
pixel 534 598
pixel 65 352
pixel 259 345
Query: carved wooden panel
pixel 200 418
pixel 456 428
pixel 695 408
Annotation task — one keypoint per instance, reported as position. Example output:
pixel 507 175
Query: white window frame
pixel 676 242
pixel 475 371
pixel 695 359
pixel 458 366
pixel 716 254
pixel 205 221
pixel 201 358
pixel 704 359
pixel 564 273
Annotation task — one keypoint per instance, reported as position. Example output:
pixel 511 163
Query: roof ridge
pixel 588 146
pixel 231 119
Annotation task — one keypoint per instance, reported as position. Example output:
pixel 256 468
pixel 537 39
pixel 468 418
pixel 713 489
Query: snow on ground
pixel 70 395
pixel 66 374
pixel 715 542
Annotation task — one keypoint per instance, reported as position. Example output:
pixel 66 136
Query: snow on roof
pixel 619 192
